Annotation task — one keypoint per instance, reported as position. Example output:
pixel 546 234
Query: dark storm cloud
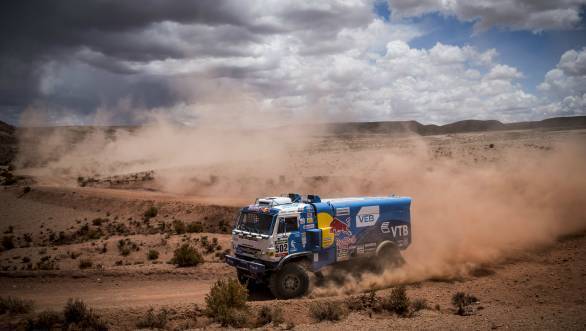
pixel 106 34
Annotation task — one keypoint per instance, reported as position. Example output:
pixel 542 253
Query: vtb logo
pixel 397 230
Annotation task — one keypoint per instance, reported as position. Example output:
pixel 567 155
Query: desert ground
pixel 500 215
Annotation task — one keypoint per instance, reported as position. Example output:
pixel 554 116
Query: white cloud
pixel 532 15
pixel 565 85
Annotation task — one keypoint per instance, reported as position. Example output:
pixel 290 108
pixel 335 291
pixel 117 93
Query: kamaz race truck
pixel 279 240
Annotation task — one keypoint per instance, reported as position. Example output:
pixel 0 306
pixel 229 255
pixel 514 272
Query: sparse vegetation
pixel 194 227
pixel 46 263
pixel 45 320
pixel 179 227
pixel 367 301
pixel 419 304
pixel 462 302
pixel 8 242
pixel 267 315
pixel 226 303
pixel 186 256
pixel 85 264
pixel 153 254
pixel 327 311
pixel 126 246
pixel 12 305
pixel 397 302
pixel 78 316
pixel 152 320
pixel 151 212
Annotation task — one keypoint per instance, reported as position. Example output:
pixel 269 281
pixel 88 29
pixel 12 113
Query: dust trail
pixel 464 217
pixel 473 204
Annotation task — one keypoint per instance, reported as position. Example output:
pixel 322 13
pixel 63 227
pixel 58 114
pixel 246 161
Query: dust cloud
pixel 464 213
pixel 464 217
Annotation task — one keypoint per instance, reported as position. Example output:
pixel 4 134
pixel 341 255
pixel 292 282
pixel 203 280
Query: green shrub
pixel 327 311
pixel 152 254
pixel 78 315
pixel 13 305
pixel 226 302
pixel 85 263
pixel 267 315
pixel 462 302
pixel 152 320
pixel 186 256
pixel 397 302
pixel 150 213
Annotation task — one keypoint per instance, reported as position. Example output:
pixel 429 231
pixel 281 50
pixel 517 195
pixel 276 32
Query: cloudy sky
pixel 435 61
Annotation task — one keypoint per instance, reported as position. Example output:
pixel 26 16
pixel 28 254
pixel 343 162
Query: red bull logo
pixel 339 226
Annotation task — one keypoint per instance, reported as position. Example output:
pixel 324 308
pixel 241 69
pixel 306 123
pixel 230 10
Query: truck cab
pixel 277 241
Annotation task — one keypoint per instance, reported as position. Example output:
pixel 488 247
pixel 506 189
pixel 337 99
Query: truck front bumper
pixel 255 269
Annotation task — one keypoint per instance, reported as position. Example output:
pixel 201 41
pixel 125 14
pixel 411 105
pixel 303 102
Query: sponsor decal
pixel 397 230
pixel 367 216
pixel 339 226
pixel 292 247
pixel 369 247
pixel 309 219
pixel 343 247
pixel 309 226
pixel 344 211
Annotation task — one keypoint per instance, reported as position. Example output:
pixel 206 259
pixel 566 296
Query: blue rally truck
pixel 279 240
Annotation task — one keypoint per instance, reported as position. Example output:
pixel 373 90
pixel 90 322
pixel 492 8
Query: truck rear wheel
pixel 290 282
pixel 390 257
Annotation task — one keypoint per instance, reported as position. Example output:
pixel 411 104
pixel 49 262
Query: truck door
pixel 288 236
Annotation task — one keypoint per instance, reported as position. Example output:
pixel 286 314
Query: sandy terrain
pixel 500 215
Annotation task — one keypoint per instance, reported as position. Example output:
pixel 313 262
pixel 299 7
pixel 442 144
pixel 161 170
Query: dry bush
pixel 78 316
pixel 327 311
pixel 13 305
pixel 46 263
pixel 194 227
pixel 462 302
pixel 150 213
pixel 85 264
pixel 397 302
pixel 7 242
pixel 267 315
pixel 366 301
pixel 226 303
pixel 126 246
pixel 186 256
pixel 153 254
pixel 153 320
pixel 419 304
pixel 179 227
pixel 45 320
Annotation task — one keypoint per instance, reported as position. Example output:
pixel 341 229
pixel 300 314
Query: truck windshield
pixel 255 222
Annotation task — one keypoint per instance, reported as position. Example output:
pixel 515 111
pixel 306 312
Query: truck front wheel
pixel 290 281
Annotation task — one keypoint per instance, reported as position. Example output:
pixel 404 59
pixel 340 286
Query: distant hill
pixel 7 143
pixel 400 127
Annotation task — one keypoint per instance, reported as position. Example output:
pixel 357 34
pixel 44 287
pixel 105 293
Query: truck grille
pixel 247 250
